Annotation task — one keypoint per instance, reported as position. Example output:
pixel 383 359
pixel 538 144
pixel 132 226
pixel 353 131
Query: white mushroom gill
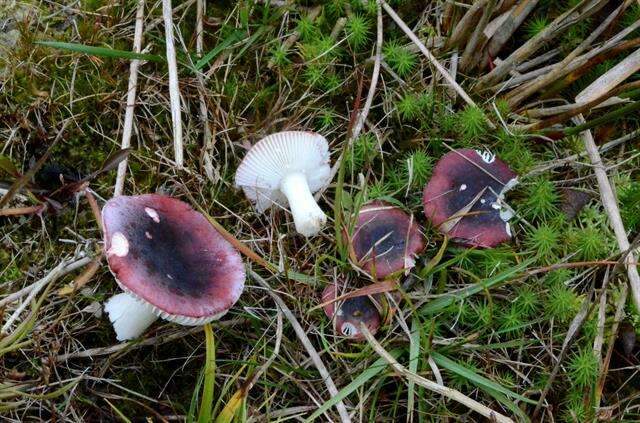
pixel 286 168
pixel 129 316
pixel 307 215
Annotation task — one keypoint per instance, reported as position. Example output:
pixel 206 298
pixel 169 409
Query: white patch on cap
pixel 119 245
pixel 505 214
pixel 348 329
pixel 509 185
pixel 463 187
pixel 169 276
pixel 409 262
pixel 340 312
pixel 148 235
pixel 486 156
pixel 482 201
pixel 152 214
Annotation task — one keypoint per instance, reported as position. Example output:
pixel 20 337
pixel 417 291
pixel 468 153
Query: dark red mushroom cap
pixel 387 238
pixel 351 312
pixel 163 252
pixel 464 198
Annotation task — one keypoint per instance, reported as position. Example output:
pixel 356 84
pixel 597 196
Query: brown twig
pixel 559 70
pixel 19 211
pixel 610 79
pixel 513 21
pixel 477 38
pixel 466 24
pixel 571 16
pixel 579 108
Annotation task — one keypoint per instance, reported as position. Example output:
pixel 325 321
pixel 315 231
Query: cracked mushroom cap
pixel 465 198
pixel 169 256
pixel 351 312
pixel 272 158
pixel 387 238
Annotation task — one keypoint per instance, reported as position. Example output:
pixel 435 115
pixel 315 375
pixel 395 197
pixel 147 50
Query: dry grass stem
pixel 441 69
pixel 131 98
pixel 610 204
pixel 611 79
pixel 308 345
pixel 433 386
pixel 174 86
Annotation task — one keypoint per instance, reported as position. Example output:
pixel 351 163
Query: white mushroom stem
pixel 129 316
pixel 307 215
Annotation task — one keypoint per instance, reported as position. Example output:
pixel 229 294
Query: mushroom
pixel 465 198
pixel 385 240
pixel 287 168
pixel 351 312
pixel 169 261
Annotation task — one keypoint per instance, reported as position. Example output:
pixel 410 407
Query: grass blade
pixel 379 365
pixel 118 412
pixel 7 166
pixel 194 398
pixel 443 302
pixel 101 51
pixel 414 358
pixel 204 416
pixel 476 379
pixel 231 39
pixel 47 396
pixel 230 410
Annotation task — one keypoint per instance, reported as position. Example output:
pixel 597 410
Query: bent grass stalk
pixel 206 405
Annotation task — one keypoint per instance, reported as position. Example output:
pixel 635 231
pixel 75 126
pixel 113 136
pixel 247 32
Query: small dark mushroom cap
pixel 470 184
pixel 351 313
pixel 386 237
pixel 167 254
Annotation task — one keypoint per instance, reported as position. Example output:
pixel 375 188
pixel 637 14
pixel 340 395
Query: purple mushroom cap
pixel 351 312
pixel 387 238
pixel 165 253
pixel 464 197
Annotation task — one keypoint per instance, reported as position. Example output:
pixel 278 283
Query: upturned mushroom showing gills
pixel 350 314
pixel 465 198
pixel 287 168
pixel 385 239
pixel 169 261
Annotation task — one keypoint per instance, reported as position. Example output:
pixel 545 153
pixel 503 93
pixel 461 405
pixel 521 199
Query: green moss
pixel 363 152
pixel 590 243
pixel 541 200
pixel 409 106
pixel 562 303
pixel 471 122
pixel 358 31
pixel 536 26
pixel 544 242
pixel 401 60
